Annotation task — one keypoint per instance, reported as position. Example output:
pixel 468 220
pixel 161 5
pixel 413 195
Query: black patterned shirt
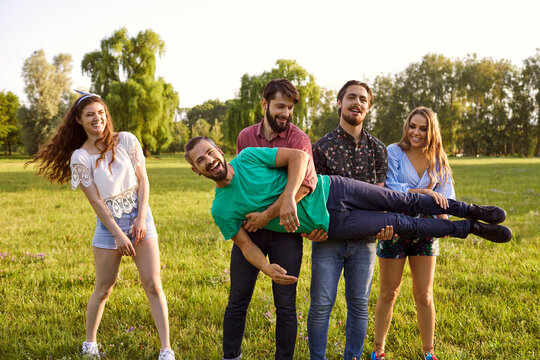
pixel 337 153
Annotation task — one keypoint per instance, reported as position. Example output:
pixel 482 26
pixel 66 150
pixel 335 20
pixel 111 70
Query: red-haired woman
pixel 110 167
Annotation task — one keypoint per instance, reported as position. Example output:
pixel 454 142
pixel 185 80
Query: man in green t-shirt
pixel 343 207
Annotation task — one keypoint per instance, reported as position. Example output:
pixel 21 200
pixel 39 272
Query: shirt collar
pixel 349 137
pixel 282 134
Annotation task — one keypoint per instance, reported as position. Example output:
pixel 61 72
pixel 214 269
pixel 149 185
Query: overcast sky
pixel 210 44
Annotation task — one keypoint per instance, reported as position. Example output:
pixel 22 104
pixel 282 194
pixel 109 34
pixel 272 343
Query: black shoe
pixel 489 214
pixel 491 232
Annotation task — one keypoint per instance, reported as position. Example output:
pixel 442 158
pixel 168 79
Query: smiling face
pixel 93 119
pixel 279 112
pixel 417 131
pixel 355 105
pixel 208 161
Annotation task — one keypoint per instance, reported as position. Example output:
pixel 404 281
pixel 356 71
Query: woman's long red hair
pixel 53 159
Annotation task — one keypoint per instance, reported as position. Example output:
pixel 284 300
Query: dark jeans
pixel 356 207
pixel 285 250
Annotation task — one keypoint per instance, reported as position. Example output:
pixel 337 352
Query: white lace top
pixel 118 187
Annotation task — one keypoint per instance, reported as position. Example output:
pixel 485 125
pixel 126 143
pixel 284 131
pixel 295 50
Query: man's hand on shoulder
pixel 278 274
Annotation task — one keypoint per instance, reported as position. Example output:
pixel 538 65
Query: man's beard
pixel 273 122
pixel 221 176
pixel 354 121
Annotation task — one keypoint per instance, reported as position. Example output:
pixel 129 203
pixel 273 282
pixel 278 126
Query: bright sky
pixel 210 44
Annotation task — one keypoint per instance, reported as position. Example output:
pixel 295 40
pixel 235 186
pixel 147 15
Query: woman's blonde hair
pixel 438 167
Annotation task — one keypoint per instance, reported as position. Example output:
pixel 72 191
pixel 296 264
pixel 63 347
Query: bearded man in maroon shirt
pixel 284 249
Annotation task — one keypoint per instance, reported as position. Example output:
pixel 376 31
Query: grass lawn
pixel 487 295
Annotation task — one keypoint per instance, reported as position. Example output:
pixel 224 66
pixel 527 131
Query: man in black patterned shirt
pixel 351 151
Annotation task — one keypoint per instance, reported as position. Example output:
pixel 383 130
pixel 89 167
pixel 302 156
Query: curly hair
pixel 53 159
pixel 438 168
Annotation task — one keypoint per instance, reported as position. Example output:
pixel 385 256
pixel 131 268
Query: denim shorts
pixel 105 240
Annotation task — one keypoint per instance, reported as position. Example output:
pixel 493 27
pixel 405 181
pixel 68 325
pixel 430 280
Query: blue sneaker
pixel 381 356
pixel 428 356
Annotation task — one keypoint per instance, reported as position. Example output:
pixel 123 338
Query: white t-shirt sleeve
pixel 133 148
pixel 81 169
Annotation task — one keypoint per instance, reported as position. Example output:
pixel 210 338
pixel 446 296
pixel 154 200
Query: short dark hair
pixel 192 143
pixel 283 86
pixel 343 90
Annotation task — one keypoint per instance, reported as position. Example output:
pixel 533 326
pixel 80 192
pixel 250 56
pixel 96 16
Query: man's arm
pixel 258 220
pixel 296 162
pixel 254 255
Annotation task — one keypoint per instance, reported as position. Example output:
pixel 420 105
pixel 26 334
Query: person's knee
pixel 320 310
pixel 152 286
pixel 357 306
pixel 389 296
pixel 286 308
pixel 103 291
pixel 238 305
pixel 423 298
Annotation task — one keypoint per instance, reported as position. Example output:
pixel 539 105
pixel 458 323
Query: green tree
pixel 531 74
pixel 246 110
pixel 215 112
pixel 47 91
pixel 210 110
pixel 388 108
pixel 326 118
pixel 9 128
pixel 201 128
pixel 141 103
pixel 486 86
pixel 519 130
pixel 180 136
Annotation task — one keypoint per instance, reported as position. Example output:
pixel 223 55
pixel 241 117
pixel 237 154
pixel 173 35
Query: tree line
pixel 485 106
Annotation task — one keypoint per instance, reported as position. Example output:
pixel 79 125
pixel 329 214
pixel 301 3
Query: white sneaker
pixel 90 349
pixel 166 354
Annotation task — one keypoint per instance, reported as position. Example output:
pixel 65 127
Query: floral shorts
pixel 401 247
pixel 105 240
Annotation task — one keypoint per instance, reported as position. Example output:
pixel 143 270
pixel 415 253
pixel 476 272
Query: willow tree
pixel 531 72
pixel 47 90
pixel 9 129
pixel 123 73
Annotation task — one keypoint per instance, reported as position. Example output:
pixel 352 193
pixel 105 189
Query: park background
pixel 170 70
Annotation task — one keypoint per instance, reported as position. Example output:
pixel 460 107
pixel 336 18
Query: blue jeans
pixel 285 250
pixel 356 258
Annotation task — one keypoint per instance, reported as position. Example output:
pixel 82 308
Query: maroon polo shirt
pixel 293 138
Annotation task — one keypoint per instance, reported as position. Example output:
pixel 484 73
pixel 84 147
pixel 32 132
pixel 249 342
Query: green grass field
pixel 486 295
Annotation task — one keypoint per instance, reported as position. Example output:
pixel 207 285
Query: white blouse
pixel 117 187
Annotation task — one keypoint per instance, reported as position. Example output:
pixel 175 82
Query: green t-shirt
pixel 257 184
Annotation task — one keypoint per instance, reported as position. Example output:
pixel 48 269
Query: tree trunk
pixel 146 151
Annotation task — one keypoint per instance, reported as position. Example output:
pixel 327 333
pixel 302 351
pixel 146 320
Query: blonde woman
pixel 416 164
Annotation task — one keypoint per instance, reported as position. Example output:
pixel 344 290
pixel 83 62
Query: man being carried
pixel 345 208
